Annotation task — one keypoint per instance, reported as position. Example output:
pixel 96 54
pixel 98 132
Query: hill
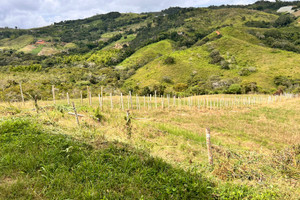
pixel 178 50
pixel 248 62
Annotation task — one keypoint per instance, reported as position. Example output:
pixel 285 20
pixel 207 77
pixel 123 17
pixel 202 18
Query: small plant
pixel 98 116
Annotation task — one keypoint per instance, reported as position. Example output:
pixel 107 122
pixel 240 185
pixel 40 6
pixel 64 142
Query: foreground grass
pixel 35 164
pixel 256 149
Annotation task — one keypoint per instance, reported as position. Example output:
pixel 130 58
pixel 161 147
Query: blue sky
pixel 37 13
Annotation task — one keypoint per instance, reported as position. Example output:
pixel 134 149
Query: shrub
pixel 284 20
pixel 169 60
pixel 180 87
pixel 224 64
pixel 97 115
pixel 216 57
pixel 282 80
pixel 167 79
pixel 247 71
pixel 234 89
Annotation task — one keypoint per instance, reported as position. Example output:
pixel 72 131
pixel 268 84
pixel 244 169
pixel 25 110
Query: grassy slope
pixel 16 43
pixel 186 62
pixel 269 62
pixel 36 164
pixel 235 42
pixel 147 54
pixel 206 18
pixel 255 149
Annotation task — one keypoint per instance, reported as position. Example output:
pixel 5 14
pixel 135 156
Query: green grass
pixel 268 62
pixel 35 164
pixel 121 41
pixel 147 54
pixel 255 150
pixel 17 43
pixel 37 50
pixel 187 62
pixel 236 42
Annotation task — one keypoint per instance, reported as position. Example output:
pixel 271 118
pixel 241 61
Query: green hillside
pixel 225 49
pixel 187 62
pixel 16 43
pixel 147 54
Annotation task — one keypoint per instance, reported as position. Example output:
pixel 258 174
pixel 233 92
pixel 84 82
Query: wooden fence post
pixel 76 115
pixel 208 144
pixel 22 96
pixel 90 98
pixel 53 93
pixel 130 99
pixel 81 99
pixel 68 98
pixel 89 95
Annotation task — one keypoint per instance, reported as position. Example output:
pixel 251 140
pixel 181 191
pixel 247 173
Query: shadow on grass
pixel 36 164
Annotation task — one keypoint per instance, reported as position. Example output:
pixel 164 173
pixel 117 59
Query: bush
pixel 282 80
pixel 167 79
pixel 180 87
pixel 284 20
pixel 216 57
pixel 224 64
pixel 169 60
pixel 234 89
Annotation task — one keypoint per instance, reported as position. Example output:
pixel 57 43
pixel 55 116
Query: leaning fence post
pixel 208 144
pixel 76 115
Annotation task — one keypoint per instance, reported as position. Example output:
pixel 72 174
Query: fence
pixel 149 102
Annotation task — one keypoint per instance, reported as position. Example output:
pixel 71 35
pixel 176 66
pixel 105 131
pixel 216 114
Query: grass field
pixel 16 43
pixel 255 148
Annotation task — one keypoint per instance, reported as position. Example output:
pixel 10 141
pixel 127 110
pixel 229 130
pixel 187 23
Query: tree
pixel 284 20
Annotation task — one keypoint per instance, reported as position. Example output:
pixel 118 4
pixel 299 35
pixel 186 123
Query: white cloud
pixel 36 13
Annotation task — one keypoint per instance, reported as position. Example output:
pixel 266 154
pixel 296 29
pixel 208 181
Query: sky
pixel 38 13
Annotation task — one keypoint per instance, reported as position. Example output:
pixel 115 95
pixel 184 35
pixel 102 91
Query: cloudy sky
pixel 37 13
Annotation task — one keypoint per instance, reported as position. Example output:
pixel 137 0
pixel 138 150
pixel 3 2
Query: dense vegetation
pixel 174 51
